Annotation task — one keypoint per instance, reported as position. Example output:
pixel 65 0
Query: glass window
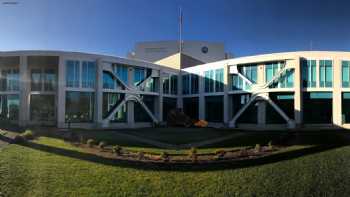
pixel 173 84
pixel 88 74
pixel 79 106
pixel 9 80
pixel 112 100
pixel 140 114
pixel 237 82
pixel 9 107
pixel 108 81
pixel 326 73
pixel 151 85
pixel 50 80
pixel 309 73
pixel 186 84
pixel 166 82
pixel 219 80
pixel 209 81
pixel 42 108
pixel 194 83
pixel 139 76
pixel 122 72
pixel 250 71
pixel 72 74
pixel 271 70
pixel 345 74
pixel 36 80
pixel 214 108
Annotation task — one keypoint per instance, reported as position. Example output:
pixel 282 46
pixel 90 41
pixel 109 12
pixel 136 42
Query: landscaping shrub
pixel 141 155
pixel 257 148
pixel 90 142
pixel 117 150
pixel 270 146
pixel 243 152
pixel 28 135
pixel 19 139
pixel 81 139
pixel 219 154
pixel 102 144
pixel 165 156
pixel 193 154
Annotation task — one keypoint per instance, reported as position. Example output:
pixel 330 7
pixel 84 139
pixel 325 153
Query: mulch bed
pixel 201 158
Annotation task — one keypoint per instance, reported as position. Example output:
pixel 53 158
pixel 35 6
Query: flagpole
pixel 180 30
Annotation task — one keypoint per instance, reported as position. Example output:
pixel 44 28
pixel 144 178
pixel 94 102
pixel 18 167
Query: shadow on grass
pixel 180 167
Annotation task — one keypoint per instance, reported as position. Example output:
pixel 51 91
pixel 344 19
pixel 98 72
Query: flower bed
pixel 215 157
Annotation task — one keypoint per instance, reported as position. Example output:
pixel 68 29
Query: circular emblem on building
pixel 205 49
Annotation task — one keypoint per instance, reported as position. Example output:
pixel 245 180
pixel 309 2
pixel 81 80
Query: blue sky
pixel 112 27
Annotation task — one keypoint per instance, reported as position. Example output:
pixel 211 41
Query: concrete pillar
pixel 179 91
pixel 298 94
pixel 24 95
pixel 201 99
pixel 261 116
pixel 226 99
pixel 159 108
pixel 99 94
pixel 61 93
pixel 337 94
pixel 262 113
pixel 130 104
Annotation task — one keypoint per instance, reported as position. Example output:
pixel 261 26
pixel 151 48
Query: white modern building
pixel 202 51
pixel 273 91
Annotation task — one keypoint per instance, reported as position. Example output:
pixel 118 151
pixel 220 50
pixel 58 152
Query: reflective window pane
pixel 9 107
pixel 112 100
pixel 42 108
pixel 88 74
pixel 50 78
pixel 79 106
pixel 72 73
pixel 36 80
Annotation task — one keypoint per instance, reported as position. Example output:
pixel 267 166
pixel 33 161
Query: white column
pixel 298 94
pixel 130 104
pixel 226 99
pixel 99 94
pixel 179 91
pixel 160 98
pixel 201 99
pixel 24 91
pixel 61 95
pixel 261 116
pixel 337 95
pixel 262 113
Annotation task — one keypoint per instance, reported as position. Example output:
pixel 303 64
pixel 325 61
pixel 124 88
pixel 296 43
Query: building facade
pixel 274 91
pixel 154 51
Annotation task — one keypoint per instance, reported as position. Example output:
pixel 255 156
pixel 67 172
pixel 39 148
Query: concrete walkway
pixel 181 146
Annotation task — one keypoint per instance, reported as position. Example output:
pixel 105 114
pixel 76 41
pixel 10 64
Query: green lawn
pixel 55 168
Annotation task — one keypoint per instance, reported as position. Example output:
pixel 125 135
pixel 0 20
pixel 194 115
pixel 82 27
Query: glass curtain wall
pixel 80 106
pixel 42 107
pixel 88 74
pixel 214 108
pixel 122 72
pixel 309 73
pixel 9 107
pixel 112 100
pixel 326 73
pixel 9 80
pixel 346 74
pixel 190 84
pixel 214 80
pixel 73 74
